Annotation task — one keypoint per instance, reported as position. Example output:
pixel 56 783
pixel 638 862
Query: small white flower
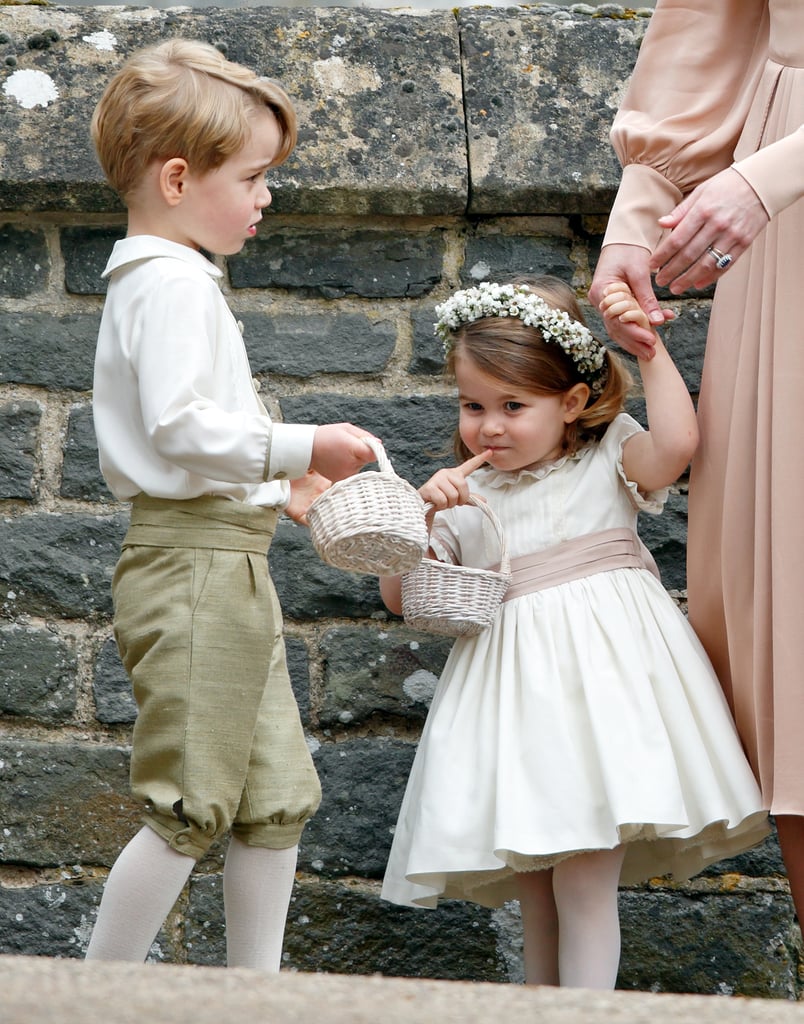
pixel 495 300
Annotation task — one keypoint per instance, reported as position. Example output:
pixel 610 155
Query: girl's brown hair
pixel 182 98
pixel 511 352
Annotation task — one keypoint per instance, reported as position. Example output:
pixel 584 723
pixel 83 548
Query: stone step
pixel 40 990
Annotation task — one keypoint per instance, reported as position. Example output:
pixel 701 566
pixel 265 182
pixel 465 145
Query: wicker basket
pixel 456 600
pixel 372 522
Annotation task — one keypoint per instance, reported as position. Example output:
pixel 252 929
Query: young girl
pixel 582 740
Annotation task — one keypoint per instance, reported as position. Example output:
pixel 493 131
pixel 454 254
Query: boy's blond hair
pixel 182 98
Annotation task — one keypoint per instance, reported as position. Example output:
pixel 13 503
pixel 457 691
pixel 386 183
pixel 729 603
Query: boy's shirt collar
pixel 146 247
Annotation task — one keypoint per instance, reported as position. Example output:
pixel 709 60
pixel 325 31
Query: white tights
pixel 148 877
pixel 570 921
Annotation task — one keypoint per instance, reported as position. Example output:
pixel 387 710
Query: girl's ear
pixel 575 401
pixel 173 180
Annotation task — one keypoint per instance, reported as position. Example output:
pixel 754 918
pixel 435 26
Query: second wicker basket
pixel 456 600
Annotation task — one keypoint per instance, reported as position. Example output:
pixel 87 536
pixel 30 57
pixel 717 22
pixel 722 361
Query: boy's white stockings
pixel 142 887
pixel 571 923
pixel 148 877
pixel 257 885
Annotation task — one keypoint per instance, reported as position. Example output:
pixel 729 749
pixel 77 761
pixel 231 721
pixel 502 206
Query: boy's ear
pixel 173 180
pixel 575 401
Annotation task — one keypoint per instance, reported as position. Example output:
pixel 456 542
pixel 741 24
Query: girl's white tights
pixel 148 877
pixel 571 923
pixel 257 885
pixel 142 887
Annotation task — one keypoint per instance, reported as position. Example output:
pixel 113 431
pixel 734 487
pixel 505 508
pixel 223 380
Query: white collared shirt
pixel 175 408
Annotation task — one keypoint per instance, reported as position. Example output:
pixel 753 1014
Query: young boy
pixel 186 137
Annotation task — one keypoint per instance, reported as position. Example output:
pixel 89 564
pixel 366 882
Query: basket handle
pixel 490 514
pixel 380 455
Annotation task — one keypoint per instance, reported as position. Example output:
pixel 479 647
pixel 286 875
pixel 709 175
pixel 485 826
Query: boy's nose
pixel 265 198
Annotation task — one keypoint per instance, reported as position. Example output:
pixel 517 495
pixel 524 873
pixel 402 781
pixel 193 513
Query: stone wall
pixel 437 149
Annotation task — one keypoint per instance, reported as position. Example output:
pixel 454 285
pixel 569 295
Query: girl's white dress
pixel 587 715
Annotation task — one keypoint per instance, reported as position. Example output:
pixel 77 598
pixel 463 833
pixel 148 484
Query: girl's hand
pixel 303 493
pixel 449 487
pixel 618 303
pixel 628 264
pixel 723 212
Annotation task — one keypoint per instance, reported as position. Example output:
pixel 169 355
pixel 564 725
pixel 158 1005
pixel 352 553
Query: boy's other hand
pixel 340 450
pixel 303 493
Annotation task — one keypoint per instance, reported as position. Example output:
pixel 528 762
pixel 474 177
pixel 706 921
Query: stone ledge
pixel 41 990
pixel 402 112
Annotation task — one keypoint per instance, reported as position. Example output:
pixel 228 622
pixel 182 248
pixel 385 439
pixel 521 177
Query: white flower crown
pixel 500 300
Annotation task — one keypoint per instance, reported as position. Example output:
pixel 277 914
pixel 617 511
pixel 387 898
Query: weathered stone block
pixel 19 423
pixel 427 356
pixel 24 259
pixel 302 346
pixel 59 565
pixel 38 678
pixel 686 341
pixel 335 927
pixel 81 477
pixel 111 688
pixel 369 87
pixel 338 928
pixel 363 781
pixel 541 93
pixel 63 803
pixel 373 670
pixel 299 671
pixel 47 920
pixel 86 252
pixel 493 256
pixel 56 919
pixel 372 264
pixel 742 943
pixel 48 351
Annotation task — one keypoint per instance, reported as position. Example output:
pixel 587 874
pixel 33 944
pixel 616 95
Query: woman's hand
pixel 629 264
pixel 723 212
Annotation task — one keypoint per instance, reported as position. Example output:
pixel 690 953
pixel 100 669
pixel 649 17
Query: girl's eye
pixel 514 406
pixel 472 406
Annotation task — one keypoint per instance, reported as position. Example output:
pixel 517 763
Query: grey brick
pixel 375 670
pixel 24 261
pixel 39 674
pixel 81 477
pixel 86 251
pixel 302 346
pixel 48 351
pixel 363 781
pixel 19 425
pixel 111 688
pixel 372 264
pixel 59 565
pixel 63 803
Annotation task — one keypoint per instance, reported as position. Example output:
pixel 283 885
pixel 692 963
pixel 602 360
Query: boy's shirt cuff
pixel 289 451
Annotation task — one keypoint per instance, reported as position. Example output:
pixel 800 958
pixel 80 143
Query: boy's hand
pixel 618 303
pixel 449 487
pixel 303 493
pixel 339 450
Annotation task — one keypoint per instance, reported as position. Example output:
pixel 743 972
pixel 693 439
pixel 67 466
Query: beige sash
pixel 619 548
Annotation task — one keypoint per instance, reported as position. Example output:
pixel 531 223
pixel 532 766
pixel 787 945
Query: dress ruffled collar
pixel 498 478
